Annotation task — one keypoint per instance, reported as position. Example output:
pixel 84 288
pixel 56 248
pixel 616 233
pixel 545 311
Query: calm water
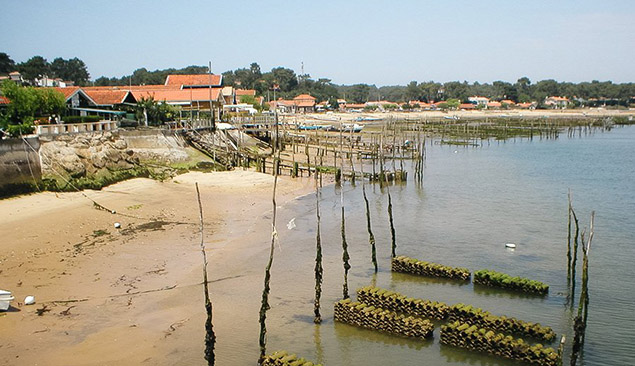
pixel 473 201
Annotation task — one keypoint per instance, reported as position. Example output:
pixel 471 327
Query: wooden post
pixel 210 337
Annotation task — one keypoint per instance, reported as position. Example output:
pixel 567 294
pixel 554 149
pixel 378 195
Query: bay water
pixel 473 200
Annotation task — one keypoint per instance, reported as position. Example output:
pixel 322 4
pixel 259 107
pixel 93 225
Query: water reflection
pixel 347 332
pixel 409 278
pixel 463 356
pixel 504 293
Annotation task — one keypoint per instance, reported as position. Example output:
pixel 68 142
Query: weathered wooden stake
pixel 569 241
pixel 318 256
pixel 371 237
pixel 264 306
pixel 210 337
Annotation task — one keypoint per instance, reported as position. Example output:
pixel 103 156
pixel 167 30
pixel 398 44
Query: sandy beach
pixel 133 295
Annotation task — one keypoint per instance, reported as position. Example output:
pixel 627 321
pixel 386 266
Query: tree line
pixel 592 93
pixel 281 82
pixel 37 67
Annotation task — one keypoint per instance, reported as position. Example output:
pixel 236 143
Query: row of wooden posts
pixel 377 154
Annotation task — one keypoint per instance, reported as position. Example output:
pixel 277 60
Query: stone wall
pixel 101 157
pixel 19 163
pixel 85 155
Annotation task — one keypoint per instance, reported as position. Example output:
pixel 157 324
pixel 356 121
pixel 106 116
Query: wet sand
pixel 133 295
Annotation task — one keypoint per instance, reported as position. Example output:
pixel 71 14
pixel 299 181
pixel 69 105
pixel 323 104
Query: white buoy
pixel 510 245
pixel 29 300
pixel 117 225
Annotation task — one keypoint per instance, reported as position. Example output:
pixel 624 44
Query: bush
pixel 25 128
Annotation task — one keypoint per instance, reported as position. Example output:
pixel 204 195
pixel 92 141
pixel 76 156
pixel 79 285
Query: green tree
pixel 35 67
pixel 70 70
pixel 359 93
pixel 430 91
pixel 451 103
pixel 7 65
pixel 26 103
pixel 505 90
pixel 456 90
pixel 333 104
pixel 285 78
pixel 157 112
pixel 413 91
pixel 250 99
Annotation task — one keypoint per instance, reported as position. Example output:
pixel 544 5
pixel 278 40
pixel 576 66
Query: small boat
pixel 352 127
pixel 309 127
pixel 510 245
pixel 5 300
pixel 367 119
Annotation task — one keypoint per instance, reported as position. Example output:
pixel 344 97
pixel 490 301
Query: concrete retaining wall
pixel 19 164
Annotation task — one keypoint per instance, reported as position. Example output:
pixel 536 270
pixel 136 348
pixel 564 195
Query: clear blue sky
pixel 374 42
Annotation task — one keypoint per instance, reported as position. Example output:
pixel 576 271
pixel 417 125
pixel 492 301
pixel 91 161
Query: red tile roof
pixel 467 106
pixel 68 92
pixel 3 100
pixel 241 92
pixel 106 97
pixel 179 95
pixel 305 103
pixel 194 80
pixel 304 97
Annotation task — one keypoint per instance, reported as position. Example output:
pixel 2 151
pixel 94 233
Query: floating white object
pixel 113 212
pixel 291 224
pixel 510 245
pixel 117 225
pixel 29 300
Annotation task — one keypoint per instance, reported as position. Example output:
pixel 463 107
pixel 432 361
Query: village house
pixel 352 107
pixel 305 103
pixel 478 100
pixel 229 95
pixel 557 102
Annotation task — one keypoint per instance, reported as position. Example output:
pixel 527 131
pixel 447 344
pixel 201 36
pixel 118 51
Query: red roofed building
pixel 467 106
pixel 194 80
pixel 240 93
pixel 557 102
pixel 109 98
pixel 189 99
pixel 304 103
